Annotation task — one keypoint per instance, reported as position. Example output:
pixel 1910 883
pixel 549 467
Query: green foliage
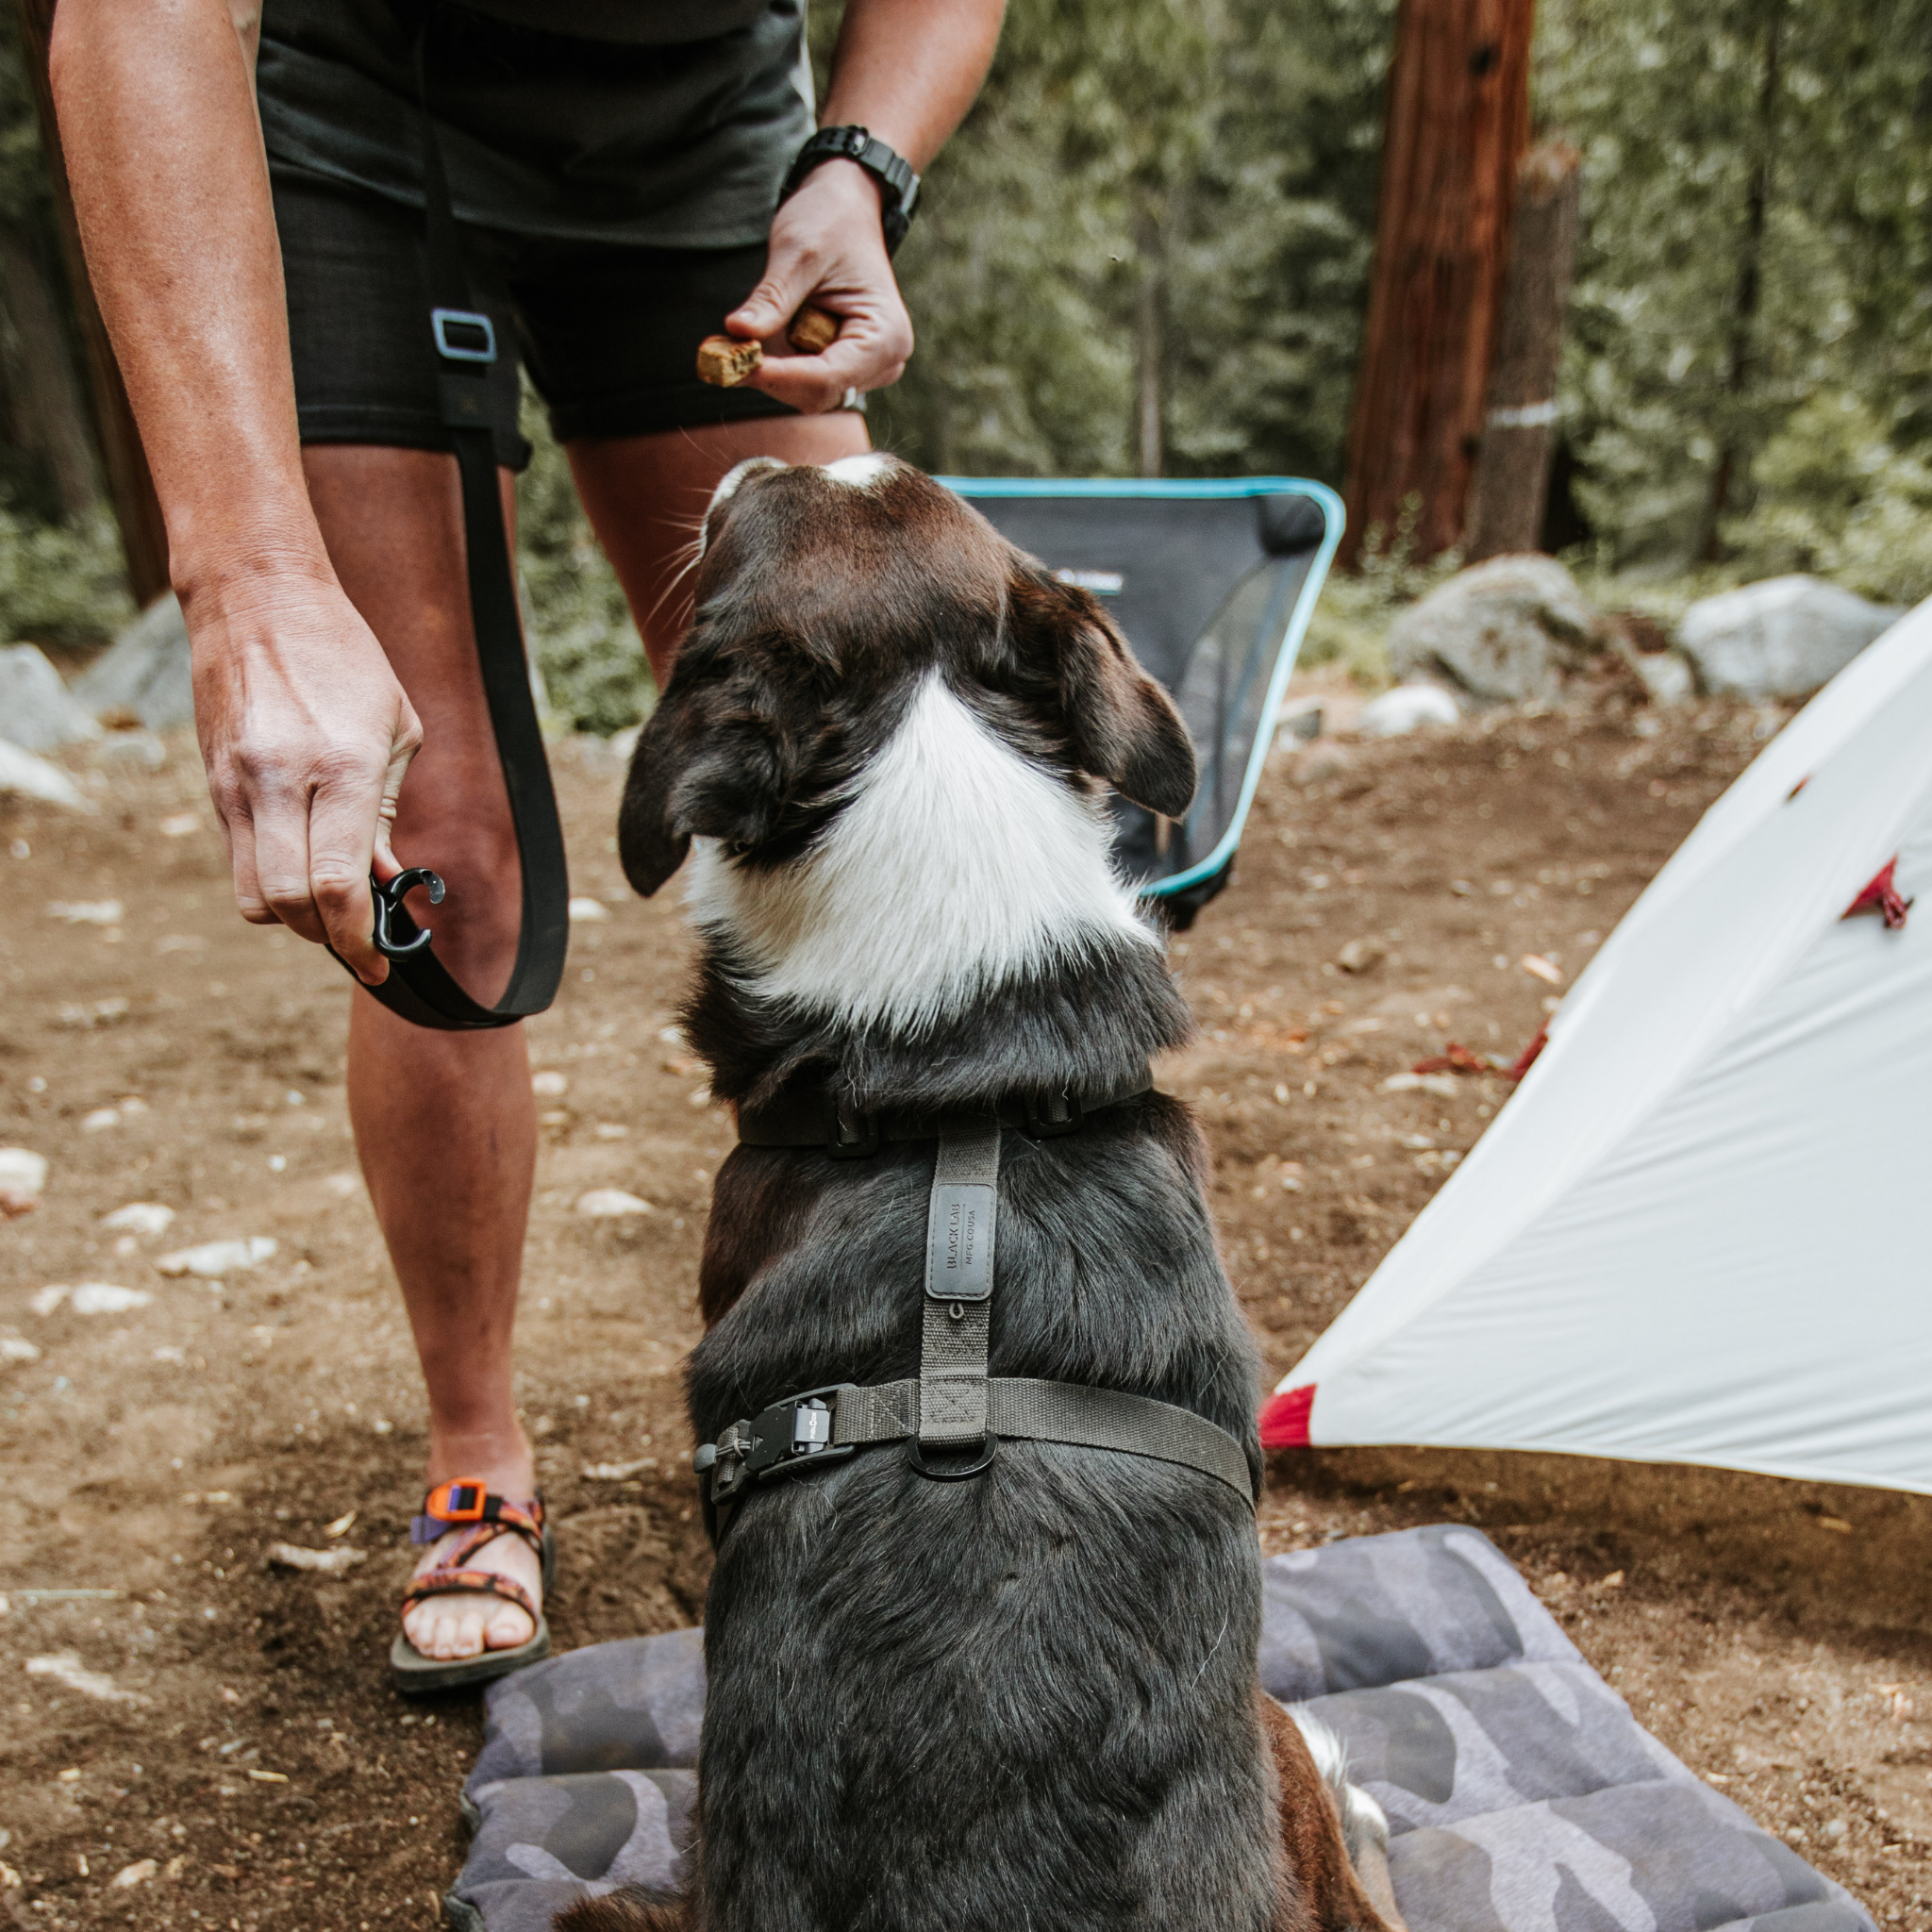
pixel 586 645
pixel 1698 333
pixel 26 193
pixel 61 584
pixel 1351 620
pixel 1175 200
pixel 1835 496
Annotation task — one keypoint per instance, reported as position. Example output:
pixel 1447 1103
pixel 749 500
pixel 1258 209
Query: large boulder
pixel 147 672
pixel 37 710
pixel 1505 631
pixel 1779 639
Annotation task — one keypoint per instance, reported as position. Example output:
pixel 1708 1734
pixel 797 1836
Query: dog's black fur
pixel 1026 1700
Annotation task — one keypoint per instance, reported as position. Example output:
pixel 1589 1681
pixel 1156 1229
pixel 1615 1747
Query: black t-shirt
pixel 662 123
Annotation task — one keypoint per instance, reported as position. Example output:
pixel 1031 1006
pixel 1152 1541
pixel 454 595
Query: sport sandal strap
pixel 450 1506
pixel 450 1582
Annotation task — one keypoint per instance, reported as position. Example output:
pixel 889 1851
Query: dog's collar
pixel 804 1115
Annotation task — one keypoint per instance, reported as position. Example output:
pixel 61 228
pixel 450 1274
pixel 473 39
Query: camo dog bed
pixel 1522 1795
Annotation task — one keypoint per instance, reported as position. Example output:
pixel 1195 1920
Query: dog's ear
pixel 1123 727
pixel 713 760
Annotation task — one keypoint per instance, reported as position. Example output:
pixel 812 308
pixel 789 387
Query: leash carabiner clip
pixel 390 907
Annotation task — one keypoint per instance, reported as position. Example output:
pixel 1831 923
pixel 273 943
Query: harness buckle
pixel 852 1135
pixel 791 1436
pixel 1053 1115
pixel 463 335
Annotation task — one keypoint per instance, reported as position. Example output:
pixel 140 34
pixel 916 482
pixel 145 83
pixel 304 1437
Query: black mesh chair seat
pixel 1213 580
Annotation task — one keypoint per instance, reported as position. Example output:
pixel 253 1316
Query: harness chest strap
pixel 955 1405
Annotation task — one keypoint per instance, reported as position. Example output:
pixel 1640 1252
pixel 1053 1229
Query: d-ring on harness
pixel 953 1418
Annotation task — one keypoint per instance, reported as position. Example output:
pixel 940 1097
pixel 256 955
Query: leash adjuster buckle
pixel 1051 1116
pixel 791 1436
pixel 852 1135
pixel 463 335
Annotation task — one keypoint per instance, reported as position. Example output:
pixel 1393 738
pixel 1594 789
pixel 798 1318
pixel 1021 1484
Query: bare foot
pixel 465 1624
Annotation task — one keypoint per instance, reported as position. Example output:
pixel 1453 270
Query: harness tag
pixel 959 1242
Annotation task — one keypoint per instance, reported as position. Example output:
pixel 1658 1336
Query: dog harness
pixel 952 1417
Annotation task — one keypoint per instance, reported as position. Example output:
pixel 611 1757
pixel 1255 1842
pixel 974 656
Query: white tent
pixel 1697 1231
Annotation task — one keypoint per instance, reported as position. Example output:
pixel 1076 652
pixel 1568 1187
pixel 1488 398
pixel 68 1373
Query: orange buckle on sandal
pixel 457 1502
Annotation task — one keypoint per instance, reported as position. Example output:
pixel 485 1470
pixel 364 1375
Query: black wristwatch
pixel 887 166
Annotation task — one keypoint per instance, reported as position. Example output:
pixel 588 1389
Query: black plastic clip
pixel 791 1436
pixel 397 936
pixel 1057 1114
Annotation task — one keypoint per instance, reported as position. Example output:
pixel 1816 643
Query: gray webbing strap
pixel 959 1228
pixel 1068 1413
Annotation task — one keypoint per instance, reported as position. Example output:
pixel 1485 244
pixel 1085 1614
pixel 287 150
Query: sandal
pixel 490 1516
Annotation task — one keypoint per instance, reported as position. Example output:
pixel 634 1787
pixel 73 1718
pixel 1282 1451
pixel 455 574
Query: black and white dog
pixel 1028 1700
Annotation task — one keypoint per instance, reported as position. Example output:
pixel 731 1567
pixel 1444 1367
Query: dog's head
pixel 826 600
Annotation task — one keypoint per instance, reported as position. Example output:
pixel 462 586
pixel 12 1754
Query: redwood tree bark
pixel 130 489
pixel 1512 482
pixel 1458 125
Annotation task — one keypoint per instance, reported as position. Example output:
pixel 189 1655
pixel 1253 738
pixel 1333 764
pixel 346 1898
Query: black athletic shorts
pixel 610 333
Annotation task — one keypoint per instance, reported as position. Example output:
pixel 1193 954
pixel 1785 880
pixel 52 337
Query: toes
pixel 510 1627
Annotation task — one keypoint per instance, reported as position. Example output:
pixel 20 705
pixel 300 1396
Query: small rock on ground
pixel 1407 708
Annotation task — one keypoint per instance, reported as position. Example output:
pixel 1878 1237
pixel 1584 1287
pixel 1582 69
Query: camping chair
pixel 1213 580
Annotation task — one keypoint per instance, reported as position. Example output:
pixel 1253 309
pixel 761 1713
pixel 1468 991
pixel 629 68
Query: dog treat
pixel 724 361
pixel 812 331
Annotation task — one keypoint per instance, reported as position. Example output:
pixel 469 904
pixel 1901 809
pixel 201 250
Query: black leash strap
pixel 419 987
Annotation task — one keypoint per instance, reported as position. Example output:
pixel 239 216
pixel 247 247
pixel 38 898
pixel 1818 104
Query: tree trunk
pixel 1150 414
pixel 1744 304
pixel 130 489
pixel 1458 124
pixel 1512 482
pixel 52 421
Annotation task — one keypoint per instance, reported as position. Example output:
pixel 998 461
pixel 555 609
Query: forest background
pixel 1149 247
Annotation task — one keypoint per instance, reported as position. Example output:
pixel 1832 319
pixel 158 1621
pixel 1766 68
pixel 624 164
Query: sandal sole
pixel 416 1676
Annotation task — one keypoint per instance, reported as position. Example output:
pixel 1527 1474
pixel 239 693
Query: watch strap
pixel 886 165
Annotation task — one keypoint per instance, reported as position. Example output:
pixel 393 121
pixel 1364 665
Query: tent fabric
pixel 1213 582
pixel 1690 1235
pixel 1522 1795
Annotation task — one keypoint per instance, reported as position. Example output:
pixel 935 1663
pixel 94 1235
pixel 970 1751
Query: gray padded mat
pixel 1522 1795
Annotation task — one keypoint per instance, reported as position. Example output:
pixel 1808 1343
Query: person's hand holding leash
pixel 307 735
pixel 827 248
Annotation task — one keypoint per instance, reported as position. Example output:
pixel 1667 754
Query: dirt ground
pixel 207 1741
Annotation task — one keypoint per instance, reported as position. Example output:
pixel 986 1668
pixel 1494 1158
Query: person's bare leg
pixel 646 496
pixel 445 1123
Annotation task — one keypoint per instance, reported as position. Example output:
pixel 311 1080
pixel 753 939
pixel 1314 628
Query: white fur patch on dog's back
pixel 858 472
pixel 957 867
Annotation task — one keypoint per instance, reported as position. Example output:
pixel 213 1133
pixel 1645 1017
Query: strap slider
pixel 850 1135
pixel 463 335
pixel 1051 1116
